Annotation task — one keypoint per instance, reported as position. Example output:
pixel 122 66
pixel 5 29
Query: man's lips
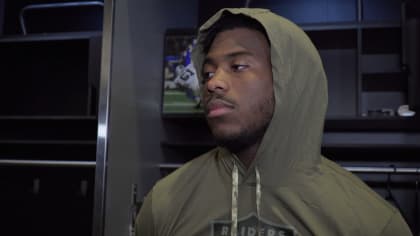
pixel 218 107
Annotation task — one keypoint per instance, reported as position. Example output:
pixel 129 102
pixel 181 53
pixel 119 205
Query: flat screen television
pixel 181 88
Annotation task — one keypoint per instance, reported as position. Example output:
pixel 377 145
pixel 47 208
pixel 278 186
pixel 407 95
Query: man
pixel 265 97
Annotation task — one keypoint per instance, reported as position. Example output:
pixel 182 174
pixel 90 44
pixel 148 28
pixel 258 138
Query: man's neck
pixel 247 155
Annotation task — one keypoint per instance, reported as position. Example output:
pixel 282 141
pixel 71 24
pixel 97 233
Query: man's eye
pixel 239 67
pixel 207 76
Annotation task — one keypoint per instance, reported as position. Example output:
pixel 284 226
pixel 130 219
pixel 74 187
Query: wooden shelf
pixel 374 124
pixel 342 124
pixel 370 146
pixel 170 166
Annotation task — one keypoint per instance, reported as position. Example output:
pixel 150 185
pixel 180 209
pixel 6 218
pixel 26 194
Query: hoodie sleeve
pixel 396 226
pixel 144 222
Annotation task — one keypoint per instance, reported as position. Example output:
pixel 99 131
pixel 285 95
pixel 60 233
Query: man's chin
pixel 224 134
pixel 234 142
pixel 230 145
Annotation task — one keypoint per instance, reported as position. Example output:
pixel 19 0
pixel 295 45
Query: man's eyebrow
pixel 210 61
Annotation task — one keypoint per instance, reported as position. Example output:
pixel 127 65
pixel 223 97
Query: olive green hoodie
pixel 289 187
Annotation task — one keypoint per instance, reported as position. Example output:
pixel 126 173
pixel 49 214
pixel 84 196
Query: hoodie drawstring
pixel 258 197
pixel 235 190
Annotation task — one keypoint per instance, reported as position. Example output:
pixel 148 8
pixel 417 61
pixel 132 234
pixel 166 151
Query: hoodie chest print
pixel 250 226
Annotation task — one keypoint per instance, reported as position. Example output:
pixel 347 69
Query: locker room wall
pixel 135 128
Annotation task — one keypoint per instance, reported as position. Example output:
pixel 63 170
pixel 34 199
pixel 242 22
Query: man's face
pixel 238 87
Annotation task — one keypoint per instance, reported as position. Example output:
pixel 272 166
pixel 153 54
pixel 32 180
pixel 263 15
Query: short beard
pixel 250 135
pixel 239 142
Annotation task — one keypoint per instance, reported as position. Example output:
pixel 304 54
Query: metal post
pixel 103 116
pixel 47 163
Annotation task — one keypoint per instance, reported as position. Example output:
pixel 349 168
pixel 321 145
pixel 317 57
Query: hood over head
pixel 292 142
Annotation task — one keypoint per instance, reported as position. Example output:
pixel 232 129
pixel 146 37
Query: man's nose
pixel 218 83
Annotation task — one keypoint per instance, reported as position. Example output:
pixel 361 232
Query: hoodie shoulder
pixel 184 174
pixel 180 196
pixel 373 213
pixel 396 226
pixel 177 186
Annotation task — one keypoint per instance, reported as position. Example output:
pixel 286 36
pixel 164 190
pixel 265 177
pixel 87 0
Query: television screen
pixel 181 88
